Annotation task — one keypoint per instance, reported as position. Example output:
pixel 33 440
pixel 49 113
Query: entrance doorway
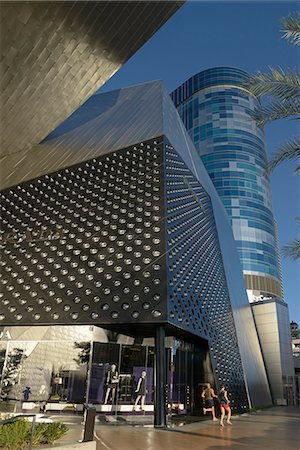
pixel 129 398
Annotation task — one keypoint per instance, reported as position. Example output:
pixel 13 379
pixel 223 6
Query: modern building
pixel 295 332
pixel 54 56
pixel 125 260
pixel 216 107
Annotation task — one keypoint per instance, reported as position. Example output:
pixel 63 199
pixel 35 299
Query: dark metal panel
pixel 54 55
pixel 198 296
pixel 160 380
pixel 102 125
pixel 86 245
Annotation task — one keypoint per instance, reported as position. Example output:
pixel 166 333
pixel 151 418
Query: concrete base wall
pixel 272 322
pixel 78 446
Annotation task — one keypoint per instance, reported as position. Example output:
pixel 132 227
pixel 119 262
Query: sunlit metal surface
pixel 54 55
pixel 97 128
pixel 273 327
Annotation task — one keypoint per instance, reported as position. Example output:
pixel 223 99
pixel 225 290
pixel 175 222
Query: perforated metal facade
pixel 136 213
pixel 105 261
pixel 115 240
pixel 198 297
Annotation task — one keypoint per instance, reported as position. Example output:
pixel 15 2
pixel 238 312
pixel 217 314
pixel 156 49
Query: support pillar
pixel 160 378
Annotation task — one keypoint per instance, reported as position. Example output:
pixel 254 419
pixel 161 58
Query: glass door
pixel 180 379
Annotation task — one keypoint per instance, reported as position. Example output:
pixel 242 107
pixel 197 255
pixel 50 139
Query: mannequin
pixel 141 391
pixel 42 391
pixel 26 394
pixel 112 381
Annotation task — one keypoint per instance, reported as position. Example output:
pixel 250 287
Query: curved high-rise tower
pixel 216 110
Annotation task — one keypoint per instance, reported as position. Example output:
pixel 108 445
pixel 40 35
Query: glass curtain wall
pixel 216 110
pixel 106 369
pixel 44 368
pixel 121 378
pixel 33 372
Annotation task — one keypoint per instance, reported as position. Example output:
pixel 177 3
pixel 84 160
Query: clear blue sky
pixel 244 34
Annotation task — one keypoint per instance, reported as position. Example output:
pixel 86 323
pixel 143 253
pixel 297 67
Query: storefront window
pixel 43 371
pixel 66 367
pixel 120 373
pixel 45 365
pixel 104 374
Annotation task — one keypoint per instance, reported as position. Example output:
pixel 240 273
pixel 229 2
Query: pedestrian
pixel 224 406
pixel 208 396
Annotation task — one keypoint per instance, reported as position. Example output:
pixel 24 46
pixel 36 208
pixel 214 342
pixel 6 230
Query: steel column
pixel 160 378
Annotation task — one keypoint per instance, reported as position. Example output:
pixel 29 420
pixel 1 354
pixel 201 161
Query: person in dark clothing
pixel 208 395
pixel 141 391
pixel 224 406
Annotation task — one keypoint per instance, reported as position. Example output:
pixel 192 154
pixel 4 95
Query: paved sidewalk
pixel 275 429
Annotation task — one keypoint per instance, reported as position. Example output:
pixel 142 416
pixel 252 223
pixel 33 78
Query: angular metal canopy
pixel 54 55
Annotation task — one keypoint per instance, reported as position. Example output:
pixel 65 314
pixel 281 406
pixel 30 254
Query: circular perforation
pixel 199 299
pixel 86 242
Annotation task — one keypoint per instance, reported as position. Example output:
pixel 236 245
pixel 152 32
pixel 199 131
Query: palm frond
pixel 276 111
pixel 291 28
pixel 289 151
pixel 284 85
pixel 292 249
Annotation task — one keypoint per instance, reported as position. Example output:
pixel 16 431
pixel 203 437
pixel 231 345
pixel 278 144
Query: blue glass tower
pixel 216 110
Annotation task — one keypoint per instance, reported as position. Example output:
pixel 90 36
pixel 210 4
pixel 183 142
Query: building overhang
pixel 54 56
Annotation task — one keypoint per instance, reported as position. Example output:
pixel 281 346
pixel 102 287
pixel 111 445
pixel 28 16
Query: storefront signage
pixel 31 236
pixel 262 298
pixel 5 335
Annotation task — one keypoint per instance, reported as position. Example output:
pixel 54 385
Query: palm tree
pixel 282 88
pixel 292 249
pixel 291 28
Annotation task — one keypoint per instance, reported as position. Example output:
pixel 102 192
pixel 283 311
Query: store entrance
pixel 180 379
pixel 186 372
pixel 121 383
pixel 114 372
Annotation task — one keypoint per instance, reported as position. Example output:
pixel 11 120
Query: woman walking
pixel 208 396
pixel 224 406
